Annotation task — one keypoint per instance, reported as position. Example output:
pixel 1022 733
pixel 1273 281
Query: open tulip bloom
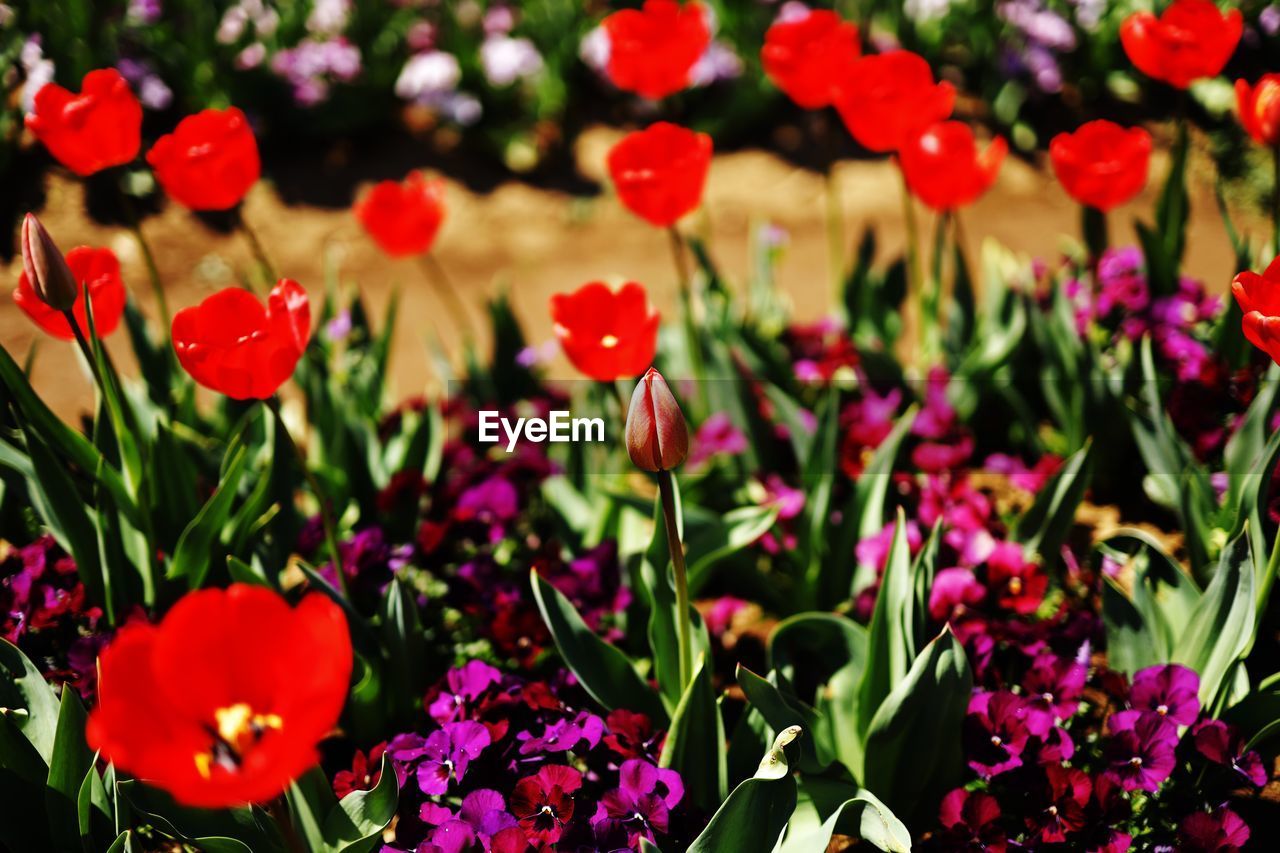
pixel 980 555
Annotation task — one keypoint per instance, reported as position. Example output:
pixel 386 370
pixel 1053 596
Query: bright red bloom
pixel 94 130
pixel 403 218
pixel 1190 40
pixel 944 168
pixel 607 335
pixel 235 346
pixel 1259 107
pixel 653 49
pixel 1259 299
pixel 99 271
pixel 543 803
pixel 886 100
pixel 223 702
pixel 807 57
pixel 1102 164
pixel 209 161
pixel 660 171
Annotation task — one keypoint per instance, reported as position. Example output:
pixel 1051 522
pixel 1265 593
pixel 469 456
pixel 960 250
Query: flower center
pixel 1015 586
pixel 1162 710
pixel 995 740
pixel 1053 811
pixel 1136 761
pixel 609 341
pixel 236 730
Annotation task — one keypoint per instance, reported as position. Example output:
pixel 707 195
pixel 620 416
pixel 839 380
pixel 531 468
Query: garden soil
pixel 534 242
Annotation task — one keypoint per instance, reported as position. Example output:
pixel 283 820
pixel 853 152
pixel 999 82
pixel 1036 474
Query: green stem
pixel 148 257
pixel 683 640
pixel 692 342
pixel 326 518
pixel 440 280
pixel 85 349
pixel 255 244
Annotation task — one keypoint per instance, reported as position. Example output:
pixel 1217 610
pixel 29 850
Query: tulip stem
pixel 668 495
pixel 692 343
pixel 326 518
pixel 148 257
pixel 440 280
pixel 85 349
pixel 259 253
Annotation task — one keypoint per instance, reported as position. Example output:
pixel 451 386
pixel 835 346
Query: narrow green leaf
pixel 752 818
pixel 695 744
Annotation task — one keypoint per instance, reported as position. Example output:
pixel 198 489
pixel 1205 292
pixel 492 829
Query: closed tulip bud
pixel 46 268
pixel 657 436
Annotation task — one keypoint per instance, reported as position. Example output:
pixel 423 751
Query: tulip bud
pixel 657 437
pixel 46 268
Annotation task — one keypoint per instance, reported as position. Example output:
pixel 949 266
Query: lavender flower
pixel 143 12
pixel 329 17
pixel 442 757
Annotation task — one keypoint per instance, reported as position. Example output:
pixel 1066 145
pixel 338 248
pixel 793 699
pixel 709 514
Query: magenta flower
pixel 1171 691
pixel 996 731
pixel 543 803
pixel 443 756
pixel 954 589
pixel 1221 831
pixel 1222 744
pixel 1060 807
pixel 466 685
pixel 640 805
pixel 716 437
pixel 564 734
pixel 1140 751
pixel 1055 684
pixel 874 550
pixel 868 421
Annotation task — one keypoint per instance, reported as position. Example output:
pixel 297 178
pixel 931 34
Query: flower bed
pixel 984 560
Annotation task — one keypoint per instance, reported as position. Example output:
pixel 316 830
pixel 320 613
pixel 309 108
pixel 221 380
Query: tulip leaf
pixel 1130 643
pixel 355 825
pixel 1163 593
pixel 695 744
pixel 603 669
pixel 1220 630
pixel 1044 527
pixel 404 651
pixel 30 702
pixel 752 818
pixel 71 760
pixel 888 655
pixel 94 811
pixel 833 807
pixel 185 822
pixel 194 554
pixel 913 744
pixel 777 703
pixel 812 647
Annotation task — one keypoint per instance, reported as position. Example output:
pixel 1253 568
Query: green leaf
pixel 913 745
pixel 28 700
pixel 194 554
pixel 311 800
pixel 1130 643
pixel 1221 628
pixel 1163 594
pixel 781 709
pixel 72 759
pixel 404 650
pixel 861 816
pixel 243 824
pixel 1044 527
pixel 355 825
pixel 752 818
pixel 695 744
pixel 603 669
pixel 818 644
pixel 94 810
pixel 888 655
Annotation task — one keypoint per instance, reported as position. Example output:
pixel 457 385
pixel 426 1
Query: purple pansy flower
pixel 1171 691
pixel 564 734
pixel 1054 684
pixel 466 684
pixel 444 755
pixel 1140 751
pixel 1221 744
pixel 1221 831
pixel 640 805
pixel 996 731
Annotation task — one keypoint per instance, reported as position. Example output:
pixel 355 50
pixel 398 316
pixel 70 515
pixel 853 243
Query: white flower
pixel 427 74
pixel 506 60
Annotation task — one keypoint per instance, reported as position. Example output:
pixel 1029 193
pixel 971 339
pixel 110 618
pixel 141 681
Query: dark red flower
pixel 209 161
pixel 944 168
pixel 1222 831
pixel 98 270
pixel 806 57
pixel 364 774
pixel 1259 107
pixel 607 335
pixel 1190 40
pixel 234 345
pixel 1061 804
pixel 971 820
pixel 543 803
pixel 403 218
pixel 1016 583
pixel 886 100
pixel 1221 743
pixel 631 735
pixel 1259 299
pixel 94 130
pixel 659 172
pixel 653 49
pixel 223 702
pixel 1101 164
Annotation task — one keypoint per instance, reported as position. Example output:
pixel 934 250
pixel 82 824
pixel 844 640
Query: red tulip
pixel 944 168
pixel 99 271
pixel 659 172
pixel 45 267
pixel 1102 164
pixel 233 345
pixel 606 335
pixel 223 702
pixel 209 161
pixel 806 57
pixel 1259 298
pixel 652 50
pixel 403 218
pixel 1260 109
pixel 94 130
pixel 1190 40
pixel 889 98
pixel 657 435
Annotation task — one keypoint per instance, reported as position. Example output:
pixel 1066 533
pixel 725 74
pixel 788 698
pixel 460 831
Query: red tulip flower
pixel 403 218
pixel 1102 164
pixel 660 171
pixel 656 433
pixel 944 168
pixel 806 57
pixel 209 161
pixel 235 346
pixel 1259 298
pixel 887 99
pixel 1190 40
pixel 1259 107
pixel 653 49
pixel 223 702
pixel 607 335
pixel 99 128
pixel 98 271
